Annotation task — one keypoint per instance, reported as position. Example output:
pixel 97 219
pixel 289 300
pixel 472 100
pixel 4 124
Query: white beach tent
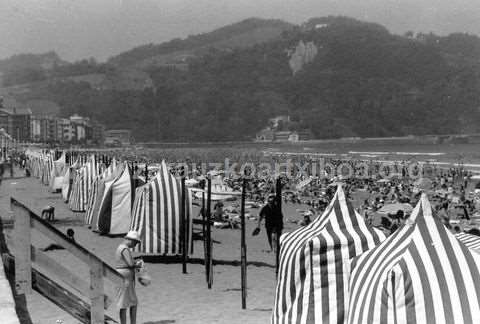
pixel 114 216
pixel 420 274
pixel 58 172
pixel 314 262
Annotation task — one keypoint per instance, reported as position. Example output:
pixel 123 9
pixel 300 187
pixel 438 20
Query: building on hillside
pixel 297 136
pixel 82 128
pixel 279 121
pixel 69 133
pixel 35 129
pixel 46 129
pixel 15 121
pixel 116 137
pixel 98 132
pixel 49 133
pixel 265 135
pixel 282 136
pixel 76 129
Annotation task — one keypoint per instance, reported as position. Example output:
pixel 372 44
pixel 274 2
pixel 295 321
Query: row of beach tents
pixel 339 270
pixel 114 201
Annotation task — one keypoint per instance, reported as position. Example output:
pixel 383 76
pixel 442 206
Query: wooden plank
pixel 60 238
pixel 96 291
pixel 55 271
pixel 22 238
pixel 63 298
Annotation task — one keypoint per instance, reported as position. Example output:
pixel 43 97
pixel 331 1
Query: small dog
pixel 48 213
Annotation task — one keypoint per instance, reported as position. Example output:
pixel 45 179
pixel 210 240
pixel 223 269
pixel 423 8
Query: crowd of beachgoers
pixel 383 192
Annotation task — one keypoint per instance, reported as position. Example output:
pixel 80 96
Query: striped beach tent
pixel 93 198
pixel 419 274
pixel 471 241
pixel 59 168
pixel 113 206
pixel 312 284
pixel 82 184
pixel 96 194
pixel 76 201
pixel 68 179
pixel 156 214
pixel 46 167
pixel 91 171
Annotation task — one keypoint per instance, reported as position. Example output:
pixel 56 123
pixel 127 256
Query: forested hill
pixel 243 34
pixel 336 76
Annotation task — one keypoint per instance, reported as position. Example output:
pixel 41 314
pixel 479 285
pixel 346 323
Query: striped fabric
pixel 92 197
pixel 420 274
pixel 46 168
pixel 96 193
pixel 90 171
pixel 82 185
pixel 314 265
pixel 156 214
pixel 471 241
pixel 76 200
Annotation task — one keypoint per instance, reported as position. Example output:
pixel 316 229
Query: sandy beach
pixel 172 297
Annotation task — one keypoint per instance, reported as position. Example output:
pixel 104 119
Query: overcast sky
pixel 78 29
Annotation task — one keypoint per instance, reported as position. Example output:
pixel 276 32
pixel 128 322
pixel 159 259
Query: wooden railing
pixel 25 255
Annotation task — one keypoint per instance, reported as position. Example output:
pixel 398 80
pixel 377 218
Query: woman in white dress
pixel 126 265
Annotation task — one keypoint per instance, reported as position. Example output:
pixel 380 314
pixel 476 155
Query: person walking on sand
pixel 126 265
pixel 273 222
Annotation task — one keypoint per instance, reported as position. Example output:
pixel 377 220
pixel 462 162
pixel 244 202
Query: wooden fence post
pixel 96 292
pixel 23 261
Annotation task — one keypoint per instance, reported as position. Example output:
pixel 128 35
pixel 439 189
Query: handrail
pixel 73 247
pixel 25 220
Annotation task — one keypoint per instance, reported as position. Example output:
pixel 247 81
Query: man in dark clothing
pixel 273 221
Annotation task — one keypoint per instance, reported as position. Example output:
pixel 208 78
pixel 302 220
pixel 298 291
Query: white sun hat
pixel 134 236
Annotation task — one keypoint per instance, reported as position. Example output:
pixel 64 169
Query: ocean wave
pixel 397 153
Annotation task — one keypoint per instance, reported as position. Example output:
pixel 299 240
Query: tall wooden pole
pixel 204 233
pixel 183 226
pixel 243 247
pixel 146 172
pixel 278 193
pixel 209 236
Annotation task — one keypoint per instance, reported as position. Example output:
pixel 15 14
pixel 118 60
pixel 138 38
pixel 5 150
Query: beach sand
pixel 172 297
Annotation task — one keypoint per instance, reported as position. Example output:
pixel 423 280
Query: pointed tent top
pixel 422 209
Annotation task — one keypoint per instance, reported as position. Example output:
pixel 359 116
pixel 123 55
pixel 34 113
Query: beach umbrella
pixel 423 184
pixel 383 181
pixel 302 184
pixel 419 274
pixel 191 182
pixel 394 208
pixel 314 262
